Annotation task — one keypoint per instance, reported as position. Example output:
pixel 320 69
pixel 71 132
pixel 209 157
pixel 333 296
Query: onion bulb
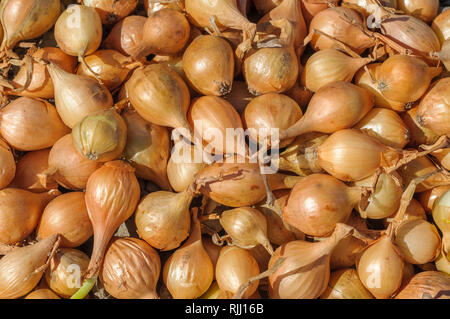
pixel 404 79
pixel 67 167
pixel 345 284
pixel 419 134
pixel 25 20
pixel 312 8
pixel 77 96
pixel 66 215
pixel 112 194
pixel 441 26
pixel 63 275
pixel 428 198
pixel 318 202
pixel 208 63
pixel 159 95
pixel 39 123
pixel 163 219
pixel 330 65
pixel 147 149
pixel 380 268
pixel 247 227
pixel 426 285
pixel 425 10
pixel 305 272
pixel 100 136
pixel 235 267
pixel 336 106
pixel 126 35
pixel 386 126
pixel 441 217
pixel 42 294
pixel 189 272
pixel 78 31
pixel 418 241
pixel 434 108
pixel 131 269
pixel 111 11
pixel 40 83
pixel 22 269
pixel 20 211
pixel 7 163
pixel 271 111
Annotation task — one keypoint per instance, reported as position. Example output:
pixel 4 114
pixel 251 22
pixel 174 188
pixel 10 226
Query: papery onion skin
pixel 208 63
pixel 111 11
pixel 434 108
pixel 345 284
pixel 419 134
pixel 234 267
pixel 310 9
pixel 29 124
pixel 131 269
pixel 18 274
pixel 63 275
pixel 264 6
pixel 126 35
pixel 425 10
pixel 20 211
pixel 426 285
pixel 41 84
pixel 42 294
pixel 66 215
pixel 25 20
pixel 367 7
pixel 441 26
pixel 428 198
pixel 443 156
pixel 151 6
pixel 8 164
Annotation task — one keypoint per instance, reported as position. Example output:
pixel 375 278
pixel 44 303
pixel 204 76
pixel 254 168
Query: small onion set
pixel 224 149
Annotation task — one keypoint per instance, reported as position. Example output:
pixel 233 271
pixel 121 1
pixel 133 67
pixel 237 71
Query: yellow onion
pixel 39 123
pixel 380 268
pixel 420 167
pixel 77 96
pixel 20 211
pixel 64 273
pixel 336 106
pixel 418 241
pixel 147 149
pixel 330 65
pixel 40 83
pixel 111 11
pixel 131 269
pixel 183 165
pixel 366 78
pixel 112 194
pixel 235 267
pixel 159 95
pixel 318 203
pixel 305 272
pixel 425 10
pixel 8 164
pixel 271 111
pixel 418 134
pixel 163 220
pixel 404 79
pixel 78 31
pixel 441 26
pixel 385 200
pixel 25 20
pixel 273 69
pixel 109 66
pixel 22 269
pixel 100 136
pixel 208 63
pixel 311 8
pixel 429 197
pixel 247 227
pixel 152 6
pixel 165 32
pixel 345 284
pixel 434 108
pixel 66 215
pixel 386 126
pixel 126 35
pixel 189 272
pixel 27 170
pixel 67 167
pixel 210 117
pixel 441 217
pixel 42 294
pixel 426 285
pixel 443 156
